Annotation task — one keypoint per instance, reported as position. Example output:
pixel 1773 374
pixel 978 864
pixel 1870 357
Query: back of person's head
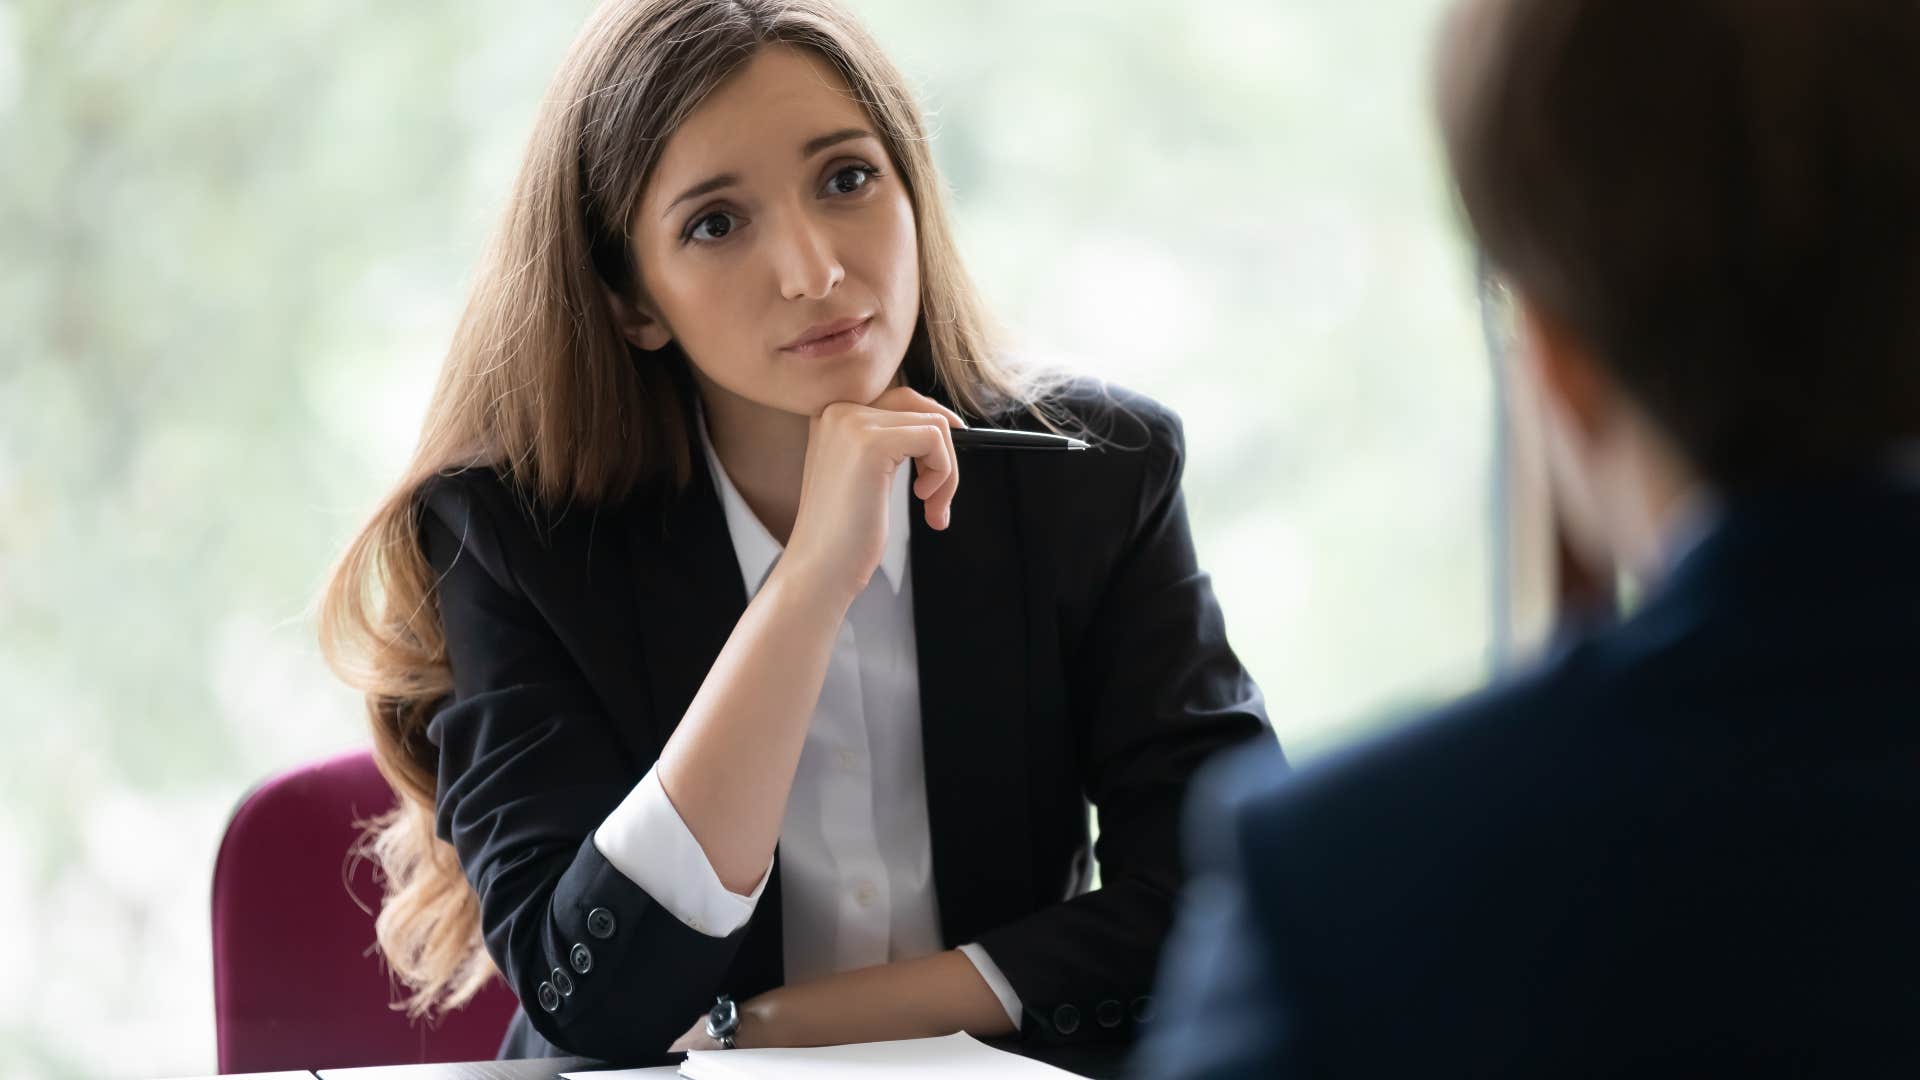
pixel 1720 199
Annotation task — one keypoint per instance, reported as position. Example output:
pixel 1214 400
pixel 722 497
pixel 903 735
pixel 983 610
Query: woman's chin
pixel 855 382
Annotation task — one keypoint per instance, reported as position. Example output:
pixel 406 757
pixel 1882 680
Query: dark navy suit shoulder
pixel 1682 846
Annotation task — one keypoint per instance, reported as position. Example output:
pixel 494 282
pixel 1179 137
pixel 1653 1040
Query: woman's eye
pixel 713 226
pixel 850 179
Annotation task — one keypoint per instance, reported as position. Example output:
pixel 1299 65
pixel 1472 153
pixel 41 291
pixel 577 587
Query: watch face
pixel 723 1018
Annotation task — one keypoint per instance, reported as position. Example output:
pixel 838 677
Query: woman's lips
pixel 831 339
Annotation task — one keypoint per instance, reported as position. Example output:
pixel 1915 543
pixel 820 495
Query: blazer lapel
pixel 690 597
pixel 971 626
pixel 689 592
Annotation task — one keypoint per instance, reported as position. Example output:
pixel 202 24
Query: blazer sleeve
pixel 1154 691
pixel 530 764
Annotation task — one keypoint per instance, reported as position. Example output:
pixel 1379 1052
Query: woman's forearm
pixel 729 766
pixel 934 995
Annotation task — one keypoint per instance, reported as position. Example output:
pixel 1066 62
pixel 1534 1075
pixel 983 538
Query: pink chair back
pixel 297 982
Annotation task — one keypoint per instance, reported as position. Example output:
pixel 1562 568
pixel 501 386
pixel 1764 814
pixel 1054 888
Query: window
pixel 235 242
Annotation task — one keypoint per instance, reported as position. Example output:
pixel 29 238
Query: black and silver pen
pixel 997 439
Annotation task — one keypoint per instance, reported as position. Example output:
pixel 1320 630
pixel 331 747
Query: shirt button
pixel 865 893
pixel 1110 1013
pixel 562 982
pixel 600 923
pixel 847 760
pixel 581 958
pixel 1143 1009
pixel 549 997
pixel 697 925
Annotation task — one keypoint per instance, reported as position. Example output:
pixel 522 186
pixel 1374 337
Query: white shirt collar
pixel 757 550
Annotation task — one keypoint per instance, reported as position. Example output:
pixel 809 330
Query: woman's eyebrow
pixel 702 188
pixel 812 147
pixel 821 142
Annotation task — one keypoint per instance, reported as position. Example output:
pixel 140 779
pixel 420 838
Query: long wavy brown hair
pixel 540 384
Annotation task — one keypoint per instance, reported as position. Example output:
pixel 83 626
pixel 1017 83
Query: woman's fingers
pixel 938 464
pixel 907 399
pixel 938 476
pixel 940 500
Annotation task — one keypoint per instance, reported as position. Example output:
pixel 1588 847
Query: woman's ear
pixel 639 324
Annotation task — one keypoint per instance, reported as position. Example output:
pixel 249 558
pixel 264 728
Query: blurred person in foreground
pixel 1685 843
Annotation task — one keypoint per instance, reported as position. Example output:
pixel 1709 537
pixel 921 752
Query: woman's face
pixel 776 241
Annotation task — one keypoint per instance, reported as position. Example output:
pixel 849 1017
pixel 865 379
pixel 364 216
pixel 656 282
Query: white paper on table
pixel 949 1057
pixel 658 1072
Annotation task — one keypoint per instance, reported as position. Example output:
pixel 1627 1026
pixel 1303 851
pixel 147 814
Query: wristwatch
pixel 722 1021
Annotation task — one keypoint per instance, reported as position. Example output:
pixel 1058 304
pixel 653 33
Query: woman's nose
pixel 806 265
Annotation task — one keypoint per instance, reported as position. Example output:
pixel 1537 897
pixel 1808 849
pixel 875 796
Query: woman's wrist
pixel 794 580
pixel 764 1021
pixel 910 999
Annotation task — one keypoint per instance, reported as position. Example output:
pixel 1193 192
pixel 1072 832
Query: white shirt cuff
pixel 996 982
pixel 645 839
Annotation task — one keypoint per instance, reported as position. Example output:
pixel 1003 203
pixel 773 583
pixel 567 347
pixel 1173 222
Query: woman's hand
pixel 906 999
pixel 852 452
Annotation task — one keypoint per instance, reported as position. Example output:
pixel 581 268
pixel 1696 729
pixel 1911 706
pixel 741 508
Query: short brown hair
pixel 1721 197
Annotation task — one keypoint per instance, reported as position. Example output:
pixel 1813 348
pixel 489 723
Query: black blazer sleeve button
pixel 1110 1013
pixel 549 997
pixel 600 923
pixel 1143 1009
pixel 562 982
pixel 1066 1019
pixel 581 958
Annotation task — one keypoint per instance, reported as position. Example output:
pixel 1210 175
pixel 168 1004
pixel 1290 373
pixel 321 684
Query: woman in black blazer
pixel 680 698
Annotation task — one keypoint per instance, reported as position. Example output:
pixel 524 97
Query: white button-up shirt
pixel 856 859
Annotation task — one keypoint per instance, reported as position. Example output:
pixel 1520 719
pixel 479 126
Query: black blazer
pixel 1685 846
pixel 1069 649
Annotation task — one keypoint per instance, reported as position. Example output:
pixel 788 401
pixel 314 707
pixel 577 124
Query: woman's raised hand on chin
pixel 852 452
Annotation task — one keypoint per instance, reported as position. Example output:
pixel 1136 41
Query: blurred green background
pixel 235 236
